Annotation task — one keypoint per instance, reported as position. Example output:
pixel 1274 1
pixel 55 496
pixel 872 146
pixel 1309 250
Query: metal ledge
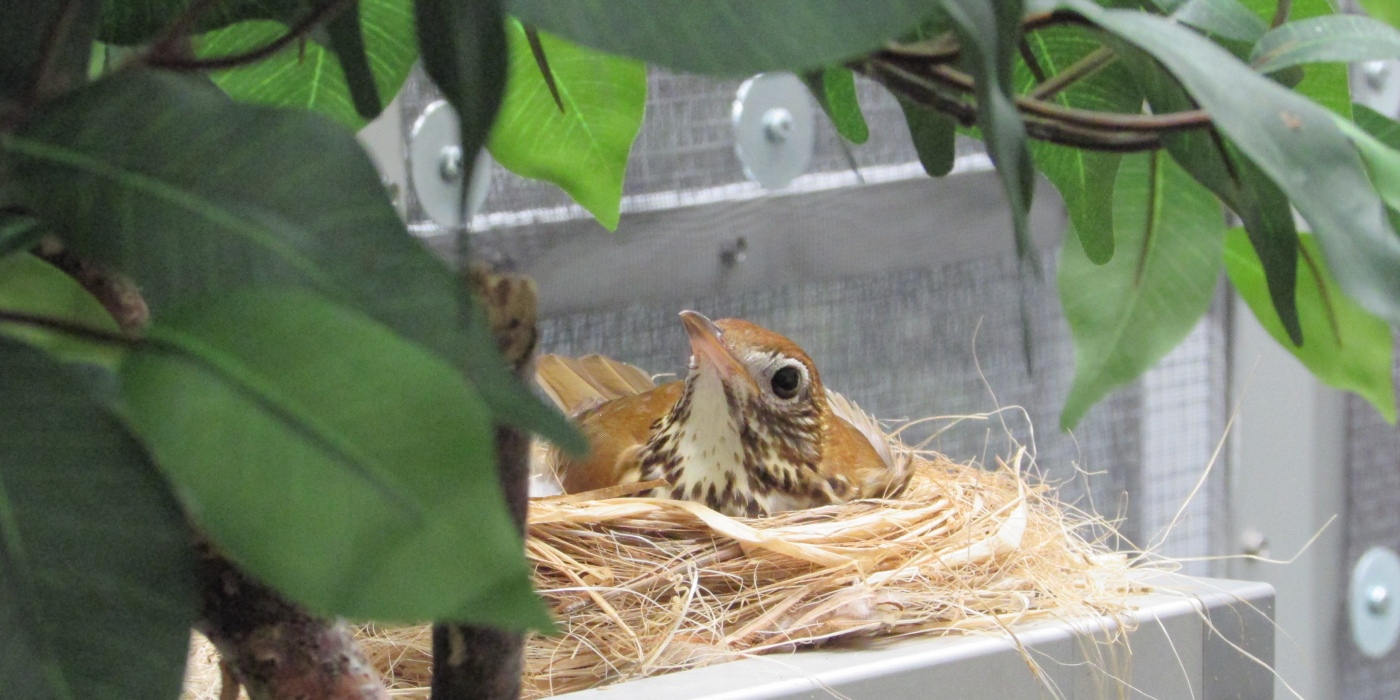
pixel 1191 643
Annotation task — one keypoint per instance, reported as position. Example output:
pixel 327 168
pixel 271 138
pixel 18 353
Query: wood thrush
pixel 749 431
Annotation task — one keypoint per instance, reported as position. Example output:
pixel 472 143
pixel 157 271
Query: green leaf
pixel 1084 178
pixel 584 149
pixel 934 134
pixel 728 37
pixel 1130 312
pixel 834 88
pixel 1387 11
pixel 18 232
pixel 294 200
pixel 132 22
pixel 1382 161
pixel 97 571
pixel 1338 38
pixel 353 471
pixel 1325 84
pixel 308 75
pixel 30 285
pixel 348 43
pixel 24 28
pixel 1347 347
pixel 1293 141
pixel 1224 18
pixel 464 52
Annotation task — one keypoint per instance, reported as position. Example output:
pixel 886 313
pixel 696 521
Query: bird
pixel 750 431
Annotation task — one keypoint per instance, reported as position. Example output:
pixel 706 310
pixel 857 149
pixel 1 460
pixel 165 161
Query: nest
pixel 647 586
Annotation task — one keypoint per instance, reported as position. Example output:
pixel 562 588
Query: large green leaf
pixel 1347 347
pixel 30 285
pixel 1293 141
pixel 934 135
pixel 1225 18
pixel 728 37
pixel 1084 178
pixel 1338 38
pixel 464 52
pixel 309 75
pixel 97 568
pixel 583 149
pixel 24 29
pixel 834 88
pixel 348 468
pixel 1387 11
pixel 215 195
pixel 1127 314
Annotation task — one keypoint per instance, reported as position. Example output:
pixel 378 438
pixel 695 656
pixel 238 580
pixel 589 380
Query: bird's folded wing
pixel 862 421
pixel 576 385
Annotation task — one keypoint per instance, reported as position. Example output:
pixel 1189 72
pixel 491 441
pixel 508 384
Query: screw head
pixel 450 164
pixel 777 124
pixel 1378 600
pixel 1376 72
pixel 1254 543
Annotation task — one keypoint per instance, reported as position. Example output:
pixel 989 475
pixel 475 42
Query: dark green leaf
pixel 532 35
pixel 583 149
pixel 97 569
pixel 1378 125
pixel 1224 18
pixel 728 37
pixel 25 27
pixel 1127 314
pixel 835 90
pixel 1347 347
pixel 18 232
pixel 349 46
pixel 293 200
pixel 934 134
pixel 464 52
pixel 1295 142
pixel 30 285
pixel 1084 178
pixel 308 75
pixel 1338 38
pixel 131 22
pixel 353 471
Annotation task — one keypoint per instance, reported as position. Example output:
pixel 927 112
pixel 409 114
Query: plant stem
pixel 1080 70
pixel 322 12
pixel 76 330
pixel 1281 13
pixel 1029 57
pixel 163 43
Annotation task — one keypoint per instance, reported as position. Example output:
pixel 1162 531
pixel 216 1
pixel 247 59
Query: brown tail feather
pixel 577 385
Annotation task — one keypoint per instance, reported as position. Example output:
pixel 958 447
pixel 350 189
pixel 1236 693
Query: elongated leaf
pixel 1347 347
pixel 350 469
pixel 131 22
pixel 1325 84
pixel 584 149
pixel 24 27
pixel 1338 38
pixel 728 37
pixel 1382 161
pixel 1127 314
pixel 934 134
pixel 464 52
pixel 834 88
pixel 310 76
pixel 30 285
pixel 295 201
pixel 1083 178
pixel 348 43
pixel 1224 18
pixel 1293 141
pixel 97 571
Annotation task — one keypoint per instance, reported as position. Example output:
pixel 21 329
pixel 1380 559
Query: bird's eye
pixel 785 382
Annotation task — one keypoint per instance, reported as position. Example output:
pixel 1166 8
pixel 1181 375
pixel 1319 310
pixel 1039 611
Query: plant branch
pixel 1031 63
pixel 1285 7
pixel 43 70
pixel 1077 71
pixel 163 44
pixel 76 330
pixel 320 14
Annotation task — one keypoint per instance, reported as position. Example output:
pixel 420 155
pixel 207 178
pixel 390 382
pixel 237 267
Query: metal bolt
pixel 777 124
pixel 450 164
pixel 1378 600
pixel 733 254
pixel 1376 72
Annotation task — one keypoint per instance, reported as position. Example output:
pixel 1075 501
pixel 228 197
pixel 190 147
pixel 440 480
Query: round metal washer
pixel 1375 612
pixel 774 128
pixel 435 166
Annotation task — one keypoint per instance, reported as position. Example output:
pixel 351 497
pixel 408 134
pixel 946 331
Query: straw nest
pixel 646 586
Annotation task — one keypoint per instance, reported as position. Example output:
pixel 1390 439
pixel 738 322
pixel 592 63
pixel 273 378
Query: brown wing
pixel 857 451
pixel 616 431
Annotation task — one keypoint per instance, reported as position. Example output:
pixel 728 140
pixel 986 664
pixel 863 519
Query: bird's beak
pixel 707 348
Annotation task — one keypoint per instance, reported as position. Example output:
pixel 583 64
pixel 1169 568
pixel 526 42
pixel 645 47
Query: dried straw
pixel 646 586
